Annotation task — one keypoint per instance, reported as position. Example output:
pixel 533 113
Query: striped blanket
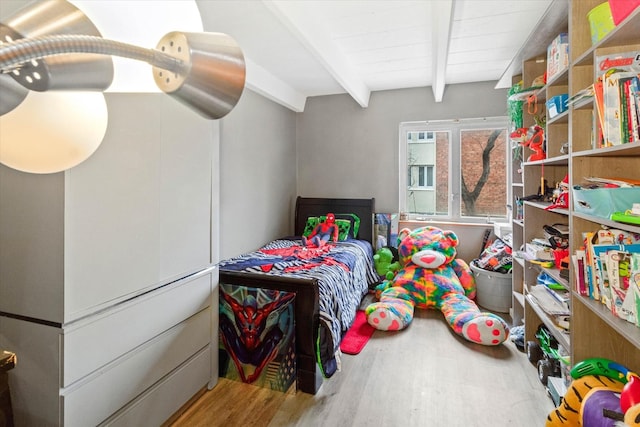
pixel 344 271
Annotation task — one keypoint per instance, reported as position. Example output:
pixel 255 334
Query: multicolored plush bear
pixel 431 277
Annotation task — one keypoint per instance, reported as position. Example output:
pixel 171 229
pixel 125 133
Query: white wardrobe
pixel 107 280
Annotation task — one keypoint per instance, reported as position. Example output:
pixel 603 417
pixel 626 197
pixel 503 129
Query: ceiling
pixel 302 48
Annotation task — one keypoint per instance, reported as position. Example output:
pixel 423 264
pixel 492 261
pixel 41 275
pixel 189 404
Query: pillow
pixel 354 220
pixel 312 221
pixel 344 226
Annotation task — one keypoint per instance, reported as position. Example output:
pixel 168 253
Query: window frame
pixel 454 128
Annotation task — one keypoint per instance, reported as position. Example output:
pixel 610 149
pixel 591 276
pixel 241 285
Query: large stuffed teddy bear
pixel 431 277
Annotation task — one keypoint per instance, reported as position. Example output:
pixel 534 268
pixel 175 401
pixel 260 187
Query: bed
pixel 286 299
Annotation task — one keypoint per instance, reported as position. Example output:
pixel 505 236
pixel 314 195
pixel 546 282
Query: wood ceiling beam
pixel 266 84
pixel 305 26
pixel 441 19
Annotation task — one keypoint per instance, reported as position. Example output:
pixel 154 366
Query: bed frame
pixel 309 376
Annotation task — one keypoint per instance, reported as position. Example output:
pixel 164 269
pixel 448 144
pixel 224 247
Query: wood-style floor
pixel 422 376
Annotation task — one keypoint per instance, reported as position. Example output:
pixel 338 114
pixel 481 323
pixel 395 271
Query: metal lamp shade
pixel 58 72
pixel 213 77
pixel 11 94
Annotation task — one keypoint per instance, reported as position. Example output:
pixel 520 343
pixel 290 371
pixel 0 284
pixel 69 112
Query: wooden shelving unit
pixel 528 175
pixel 595 331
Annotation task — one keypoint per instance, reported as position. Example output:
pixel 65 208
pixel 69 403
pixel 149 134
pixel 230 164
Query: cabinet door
pixel 31 244
pixel 137 213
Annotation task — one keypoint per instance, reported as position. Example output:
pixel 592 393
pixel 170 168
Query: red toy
pixel 561 195
pixel 322 233
pixel 533 138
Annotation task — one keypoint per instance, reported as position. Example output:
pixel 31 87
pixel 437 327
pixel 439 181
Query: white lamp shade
pixel 52 131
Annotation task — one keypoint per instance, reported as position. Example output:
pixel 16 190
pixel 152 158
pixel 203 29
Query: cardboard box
pixel 539 252
pixel 557 55
pixel 557 105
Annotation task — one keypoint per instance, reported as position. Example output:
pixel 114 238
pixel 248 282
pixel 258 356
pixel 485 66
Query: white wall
pixel 257 174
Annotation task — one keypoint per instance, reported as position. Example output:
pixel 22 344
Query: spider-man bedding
pixel 343 271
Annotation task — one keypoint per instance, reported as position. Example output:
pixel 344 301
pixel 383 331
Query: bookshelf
pixel 595 331
pixel 529 218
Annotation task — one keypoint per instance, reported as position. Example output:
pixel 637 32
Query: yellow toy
pixel 601 393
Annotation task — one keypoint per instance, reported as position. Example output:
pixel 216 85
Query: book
pixel 631 303
pixel 613 107
pixel 608 69
pixel 547 302
pixel 598 243
pixel 634 109
pixel 598 96
pixel 624 86
pixel 579 268
pixel 618 268
pixel 588 242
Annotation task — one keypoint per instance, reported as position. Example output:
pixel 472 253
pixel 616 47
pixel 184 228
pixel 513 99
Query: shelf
pixel 628 330
pixel 625 33
pixel 545 205
pixel 557 160
pixel 555 274
pixel 519 260
pixel 624 150
pixel 607 222
pixel 560 79
pixel 561 335
pixel 519 298
pixel 584 104
pixel 560 118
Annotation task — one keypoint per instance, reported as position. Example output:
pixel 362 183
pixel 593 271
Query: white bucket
pixel 493 289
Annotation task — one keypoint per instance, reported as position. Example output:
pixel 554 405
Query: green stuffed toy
pixel 386 262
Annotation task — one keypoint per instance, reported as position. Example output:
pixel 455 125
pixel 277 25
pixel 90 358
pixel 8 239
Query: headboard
pixel 310 206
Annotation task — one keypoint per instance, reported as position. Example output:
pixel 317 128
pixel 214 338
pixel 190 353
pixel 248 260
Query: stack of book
pixel 608 270
pixel 617 98
pixel 553 298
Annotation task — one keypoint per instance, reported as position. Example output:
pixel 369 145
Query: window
pixel 475 149
pixel 421 176
pixel 421 137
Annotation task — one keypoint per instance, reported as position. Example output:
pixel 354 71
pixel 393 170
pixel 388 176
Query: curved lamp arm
pixel 205 71
pixel 23 50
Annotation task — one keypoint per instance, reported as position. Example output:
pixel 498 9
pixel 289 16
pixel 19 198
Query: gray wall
pixel 348 151
pixel 257 174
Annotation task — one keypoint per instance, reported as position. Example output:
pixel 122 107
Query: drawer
pixel 95 398
pixel 164 399
pixel 94 342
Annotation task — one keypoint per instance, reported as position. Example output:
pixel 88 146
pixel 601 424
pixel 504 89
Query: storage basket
pixel 493 289
pixel 600 21
pixel 602 202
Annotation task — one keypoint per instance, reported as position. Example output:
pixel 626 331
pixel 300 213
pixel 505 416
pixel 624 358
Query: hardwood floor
pixel 422 376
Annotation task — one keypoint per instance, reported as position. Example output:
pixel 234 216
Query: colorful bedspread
pixel 344 271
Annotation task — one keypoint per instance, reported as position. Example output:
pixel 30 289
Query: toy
pixel 322 233
pixel 601 393
pixel 560 198
pixel 545 355
pixel 386 262
pixel 532 137
pixel 431 277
